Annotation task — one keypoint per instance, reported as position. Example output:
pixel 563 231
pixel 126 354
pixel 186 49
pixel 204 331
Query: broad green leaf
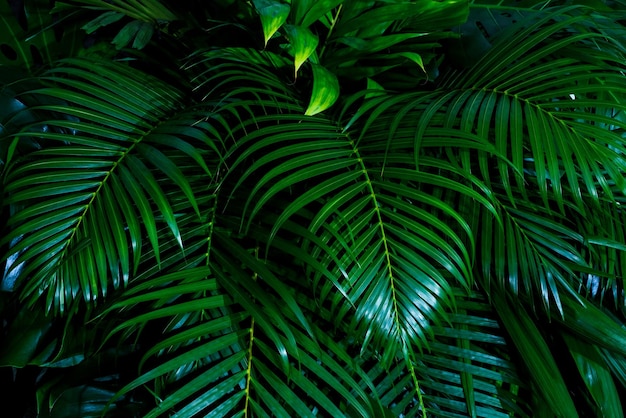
pixel 303 43
pixel 22 340
pixel 80 401
pixel 325 90
pixel 617 364
pixel 300 8
pixel 126 34
pixel 374 89
pixel 273 15
pixel 412 56
pixel 593 324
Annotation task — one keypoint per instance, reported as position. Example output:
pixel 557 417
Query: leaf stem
pixel 250 346
pixel 330 31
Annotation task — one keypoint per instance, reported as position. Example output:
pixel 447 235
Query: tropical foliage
pixel 313 208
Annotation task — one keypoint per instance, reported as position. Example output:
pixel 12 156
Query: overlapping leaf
pixel 467 371
pixel 523 106
pixel 84 202
pixel 531 97
pixel 224 357
pixel 397 48
pixel 29 38
pixel 381 228
pixel 333 266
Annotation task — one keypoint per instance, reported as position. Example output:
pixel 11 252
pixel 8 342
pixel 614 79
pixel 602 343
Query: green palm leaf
pixel 453 248
pixel 213 347
pixel 541 84
pixel 517 104
pixel 79 231
pixel 537 356
pixel 469 369
pixel 597 377
pixel 379 233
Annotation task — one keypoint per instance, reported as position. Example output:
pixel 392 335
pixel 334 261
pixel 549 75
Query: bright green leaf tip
pixel 325 90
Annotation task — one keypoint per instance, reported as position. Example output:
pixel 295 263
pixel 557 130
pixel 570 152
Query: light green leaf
pixel 412 56
pixel 325 90
pixel 273 15
pixel 374 89
pixel 303 43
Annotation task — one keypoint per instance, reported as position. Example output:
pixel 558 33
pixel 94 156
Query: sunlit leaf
pixel 273 15
pixel 303 43
pixel 325 90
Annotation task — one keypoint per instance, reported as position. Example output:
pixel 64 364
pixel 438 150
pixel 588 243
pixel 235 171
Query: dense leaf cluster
pixel 313 208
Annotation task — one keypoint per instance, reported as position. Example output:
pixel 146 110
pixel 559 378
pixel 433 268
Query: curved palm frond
pixel 378 213
pixel 453 249
pixel 219 357
pixel 82 204
pixel 548 241
pixel 277 150
pixel 553 117
pixel 467 370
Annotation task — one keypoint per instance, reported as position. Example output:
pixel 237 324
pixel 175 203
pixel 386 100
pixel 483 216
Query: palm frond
pixel 378 212
pixel 597 376
pixel 467 370
pixel 542 86
pixel 454 248
pixel 219 357
pixel 79 203
pixel 539 147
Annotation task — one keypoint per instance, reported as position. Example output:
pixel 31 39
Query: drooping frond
pixel 82 204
